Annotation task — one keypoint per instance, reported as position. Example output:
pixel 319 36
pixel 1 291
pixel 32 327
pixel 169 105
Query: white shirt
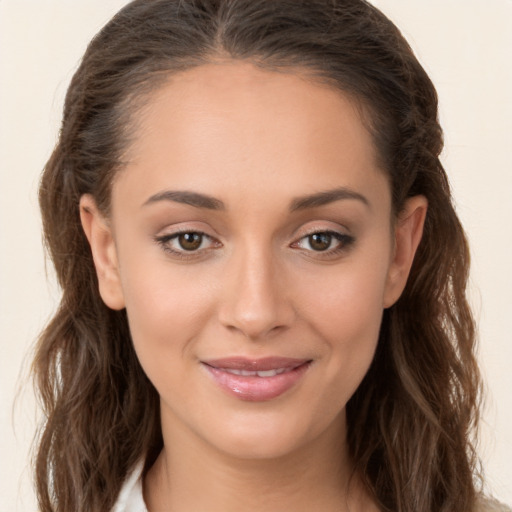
pixel 130 498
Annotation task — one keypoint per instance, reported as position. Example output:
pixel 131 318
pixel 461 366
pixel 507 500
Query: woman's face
pixel 252 244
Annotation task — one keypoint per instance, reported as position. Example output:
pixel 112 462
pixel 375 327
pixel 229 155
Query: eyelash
pixel 164 242
pixel 344 242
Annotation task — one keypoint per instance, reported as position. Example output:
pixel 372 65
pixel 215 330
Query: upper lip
pixel 263 364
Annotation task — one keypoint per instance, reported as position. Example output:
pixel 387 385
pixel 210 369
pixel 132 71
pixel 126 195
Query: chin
pixel 255 446
pixel 263 436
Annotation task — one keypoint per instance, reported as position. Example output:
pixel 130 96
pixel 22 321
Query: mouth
pixel 256 380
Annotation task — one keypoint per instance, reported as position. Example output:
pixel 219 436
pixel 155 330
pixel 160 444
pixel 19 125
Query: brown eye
pixel 190 241
pixel 187 244
pixel 320 241
pixel 330 243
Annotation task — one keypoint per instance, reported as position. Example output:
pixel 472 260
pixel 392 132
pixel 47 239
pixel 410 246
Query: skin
pixel 256 140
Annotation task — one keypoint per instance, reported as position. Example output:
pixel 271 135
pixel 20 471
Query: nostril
pixel 255 326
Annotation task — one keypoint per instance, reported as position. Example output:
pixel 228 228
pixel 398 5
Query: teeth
pixel 249 373
pixel 270 373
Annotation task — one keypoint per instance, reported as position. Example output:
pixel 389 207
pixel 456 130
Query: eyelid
pixel 345 240
pixel 164 239
pixel 320 226
pixel 335 234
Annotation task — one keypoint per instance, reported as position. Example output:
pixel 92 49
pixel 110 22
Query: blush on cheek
pixel 349 321
pixel 163 313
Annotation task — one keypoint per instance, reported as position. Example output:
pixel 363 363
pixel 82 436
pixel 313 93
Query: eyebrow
pixel 299 203
pixel 326 197
pixel 185 197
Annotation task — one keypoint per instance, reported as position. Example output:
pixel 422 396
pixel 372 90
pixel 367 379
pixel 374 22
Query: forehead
pixel 232 123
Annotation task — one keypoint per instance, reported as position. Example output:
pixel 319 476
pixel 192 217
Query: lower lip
pixel 254 388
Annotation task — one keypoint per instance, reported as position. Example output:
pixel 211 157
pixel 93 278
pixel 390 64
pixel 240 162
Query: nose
pixel 256 300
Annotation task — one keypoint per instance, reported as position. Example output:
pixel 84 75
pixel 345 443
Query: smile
pixel 256 380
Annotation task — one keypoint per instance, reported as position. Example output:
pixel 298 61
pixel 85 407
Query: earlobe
pixel 101 240
pixel 408 233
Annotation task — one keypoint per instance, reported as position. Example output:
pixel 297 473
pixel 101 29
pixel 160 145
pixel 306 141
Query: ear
pixel 104 253
pixel 408 233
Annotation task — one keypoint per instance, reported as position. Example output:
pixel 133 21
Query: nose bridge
pixel 255 301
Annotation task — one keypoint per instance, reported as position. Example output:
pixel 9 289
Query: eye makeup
pixel 192 244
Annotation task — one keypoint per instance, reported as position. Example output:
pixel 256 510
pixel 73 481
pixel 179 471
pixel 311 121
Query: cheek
pixel 347 300
pixel 350 323
pixel 165 306
pixel 345 309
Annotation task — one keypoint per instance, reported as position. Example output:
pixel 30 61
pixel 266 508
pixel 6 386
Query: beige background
pixel 466 46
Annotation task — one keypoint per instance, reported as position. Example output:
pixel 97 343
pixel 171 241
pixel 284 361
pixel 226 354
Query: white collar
pixel 130 498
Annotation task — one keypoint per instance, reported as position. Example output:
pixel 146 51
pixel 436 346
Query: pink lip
pixel 254 387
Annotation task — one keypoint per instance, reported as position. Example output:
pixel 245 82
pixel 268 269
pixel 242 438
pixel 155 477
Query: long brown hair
pixel 410 422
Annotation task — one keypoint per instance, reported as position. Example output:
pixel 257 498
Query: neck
pixel 190 475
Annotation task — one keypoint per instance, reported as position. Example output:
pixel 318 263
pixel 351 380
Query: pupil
pixel 190 241
pixel 320 241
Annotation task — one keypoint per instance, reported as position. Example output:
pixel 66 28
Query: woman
pixel 263 275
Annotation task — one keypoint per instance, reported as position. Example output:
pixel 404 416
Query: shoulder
pixel 130 498
pixel 490 505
